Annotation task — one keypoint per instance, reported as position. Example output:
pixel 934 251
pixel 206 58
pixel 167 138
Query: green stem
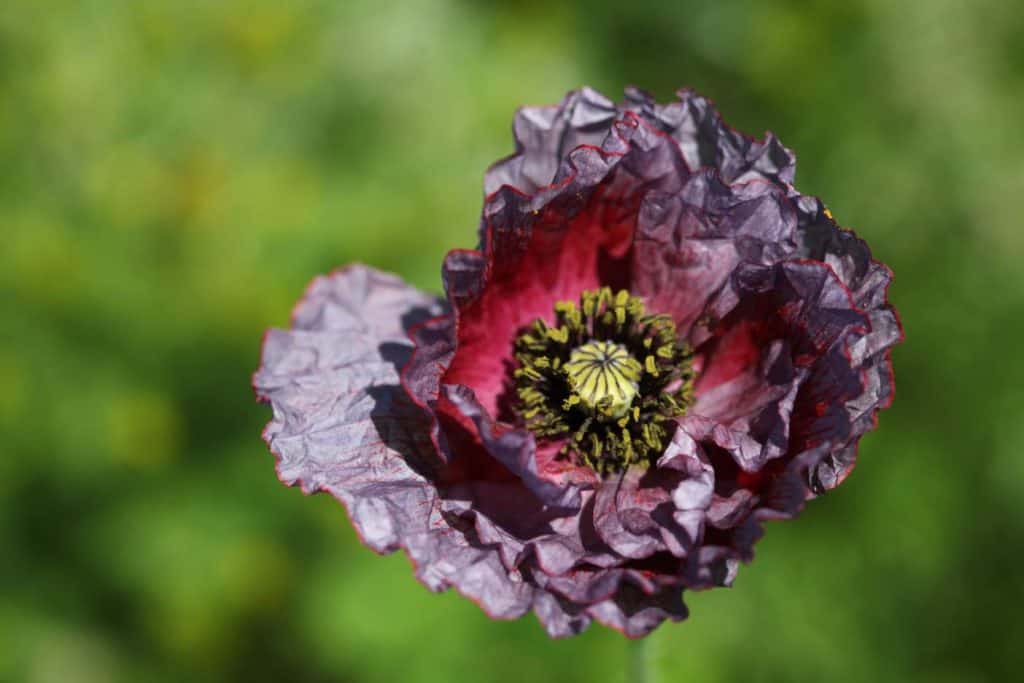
pixel 637 650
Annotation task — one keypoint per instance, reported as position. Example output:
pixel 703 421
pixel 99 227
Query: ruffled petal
pixel 636 614
pixel 343 424
pixel 781 320
pixel 707 141
pixel 689 243
pixel 544 135
pixel 625 509
pixel 868 280
pixel 515 449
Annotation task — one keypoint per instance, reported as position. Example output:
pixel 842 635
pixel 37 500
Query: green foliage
pixel 175 171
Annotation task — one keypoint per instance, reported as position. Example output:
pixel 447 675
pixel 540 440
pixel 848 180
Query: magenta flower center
pixel 606 378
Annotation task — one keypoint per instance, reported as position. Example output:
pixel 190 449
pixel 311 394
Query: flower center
pixel 604 376
pixel 607 378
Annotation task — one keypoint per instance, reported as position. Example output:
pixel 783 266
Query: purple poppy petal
pixel 688 244
pixel 624 510
pixel 635 614
pixel 513 448
pixel 784 318
pixel 707 141
pixel 544 135
pixel 342 424
pixel 869 281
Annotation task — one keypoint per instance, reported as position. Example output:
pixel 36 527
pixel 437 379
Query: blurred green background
pixel 175 171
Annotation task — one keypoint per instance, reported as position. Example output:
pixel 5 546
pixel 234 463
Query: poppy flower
pixel 659 345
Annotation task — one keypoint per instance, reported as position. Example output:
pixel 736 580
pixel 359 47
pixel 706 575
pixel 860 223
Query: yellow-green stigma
pixel 607 378
pixel 604 376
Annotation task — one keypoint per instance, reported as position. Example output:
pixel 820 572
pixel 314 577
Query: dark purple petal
pixel 783 318
pixel 342 424
pixel 624 507
pixel 868 280
pixel 560 618
pixel 707 141
pixel 544 135
pixel 513 448
pixel 635 614
pixel 688 244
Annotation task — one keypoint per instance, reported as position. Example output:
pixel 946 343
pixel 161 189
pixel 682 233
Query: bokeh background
pixel 175 171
